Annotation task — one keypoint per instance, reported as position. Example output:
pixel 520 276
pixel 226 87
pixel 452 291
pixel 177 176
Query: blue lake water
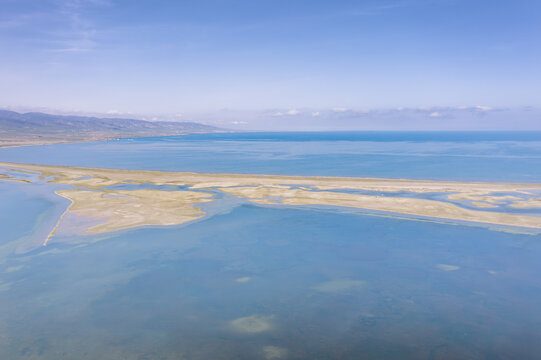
pixel 491 156
pixel 263 282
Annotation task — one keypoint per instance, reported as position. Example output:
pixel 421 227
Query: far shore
pixel 20 142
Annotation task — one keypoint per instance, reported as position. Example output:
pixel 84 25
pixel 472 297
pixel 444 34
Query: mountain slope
pixel 29 128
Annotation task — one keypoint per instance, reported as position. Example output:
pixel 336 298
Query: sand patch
pixel 481 204
pixel 445 267
pixel 274 352
pixel 117 210
pixel 252 324
pixel 528 203
pixel 339 285
pixel 5 286
pixel 14 268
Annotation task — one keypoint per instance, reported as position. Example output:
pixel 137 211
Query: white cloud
pixel 480 108
pixel 316 113
pixel 293 112
pixel 435 114
pixel 340 110
pixel 113 112
pixel 483 108
pixel 239 122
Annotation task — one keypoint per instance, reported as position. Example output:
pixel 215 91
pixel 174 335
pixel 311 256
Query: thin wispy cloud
pixel 80 31
pixel 20 20
pixel 61 26
pixel 333 63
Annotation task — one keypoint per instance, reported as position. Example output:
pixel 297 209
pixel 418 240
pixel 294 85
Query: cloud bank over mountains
pixel 476 117
pixel 472 117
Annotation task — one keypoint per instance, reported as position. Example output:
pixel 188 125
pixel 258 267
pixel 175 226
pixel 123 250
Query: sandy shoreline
pixel 32 142
pixel 114 209
pixel 52 141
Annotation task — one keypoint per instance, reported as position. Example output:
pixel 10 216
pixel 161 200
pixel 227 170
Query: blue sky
pixel 277 64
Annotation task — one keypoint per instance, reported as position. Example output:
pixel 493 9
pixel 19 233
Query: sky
pixel 274 64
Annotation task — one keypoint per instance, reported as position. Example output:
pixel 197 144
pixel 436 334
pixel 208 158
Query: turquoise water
pixel 427 155
pixel 263 282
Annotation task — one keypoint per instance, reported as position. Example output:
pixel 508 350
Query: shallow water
pixel 264 282
pixel 324 284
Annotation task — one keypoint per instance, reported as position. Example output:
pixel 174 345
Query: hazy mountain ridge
pixel 34 127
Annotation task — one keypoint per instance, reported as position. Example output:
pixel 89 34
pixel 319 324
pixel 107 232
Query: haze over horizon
pixel 278 65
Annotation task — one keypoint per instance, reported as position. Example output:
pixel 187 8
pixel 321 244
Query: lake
pixel 267 282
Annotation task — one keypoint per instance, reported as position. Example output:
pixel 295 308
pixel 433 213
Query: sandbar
pixel 94 194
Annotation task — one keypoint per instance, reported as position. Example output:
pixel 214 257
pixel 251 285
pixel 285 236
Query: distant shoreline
pixel 35 128
pixel 22 142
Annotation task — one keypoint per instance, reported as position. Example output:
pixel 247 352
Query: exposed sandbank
pixel 402 205
pixel 126 209
pixel 123 209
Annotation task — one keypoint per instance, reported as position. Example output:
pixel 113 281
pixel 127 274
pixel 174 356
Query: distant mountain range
pixel 34 127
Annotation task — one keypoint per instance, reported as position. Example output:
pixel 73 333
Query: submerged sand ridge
pixel 115 199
